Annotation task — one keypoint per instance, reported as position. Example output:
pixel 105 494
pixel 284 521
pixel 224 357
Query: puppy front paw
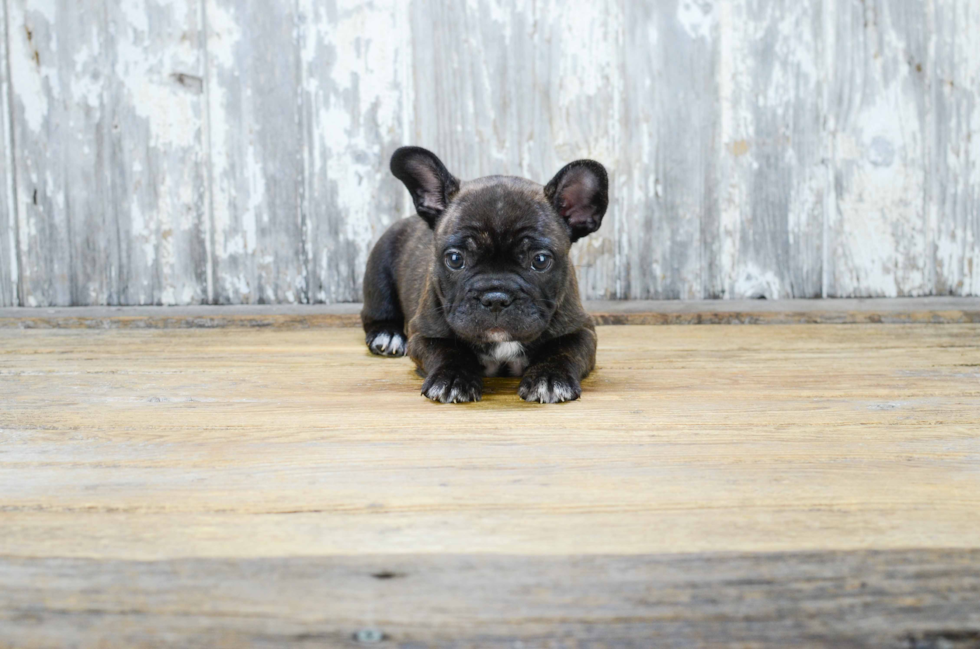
pixel 453 385
pixel 386 343
pixel 549 385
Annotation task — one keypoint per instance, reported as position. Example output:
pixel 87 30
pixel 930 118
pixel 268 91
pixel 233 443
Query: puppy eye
pixel 541 261
pixel 454 260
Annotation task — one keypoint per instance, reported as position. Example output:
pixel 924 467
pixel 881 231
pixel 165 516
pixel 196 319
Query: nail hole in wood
pixel 387 574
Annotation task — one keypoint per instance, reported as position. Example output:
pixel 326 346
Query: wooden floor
pixel 715 486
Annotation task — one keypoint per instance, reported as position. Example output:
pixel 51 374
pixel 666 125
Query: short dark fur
pixel 503 230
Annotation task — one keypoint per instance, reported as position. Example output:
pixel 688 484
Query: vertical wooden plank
pixel 955 167
pixel 155 161
pixel 106 116
pixel 8 215
pixel 878 239
pixel 58 127
pixel 254 96
pixel 586 79
pixel 483 87
pixel 669 145
pixel 767 242
pixel 521 88
pixel 357 102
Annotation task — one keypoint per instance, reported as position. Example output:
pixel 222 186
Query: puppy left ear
pixel 428 180
pixel 580 195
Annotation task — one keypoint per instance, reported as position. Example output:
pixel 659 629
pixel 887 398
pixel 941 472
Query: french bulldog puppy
pixel 484 281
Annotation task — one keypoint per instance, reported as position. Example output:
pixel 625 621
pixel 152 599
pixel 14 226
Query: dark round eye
pixel 454 259
pixel 541 261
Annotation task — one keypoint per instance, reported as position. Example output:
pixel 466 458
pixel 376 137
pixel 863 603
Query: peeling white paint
pixel 955 188
pixel 734 84
pixel 697 17
pixel 588 122
pixel 358 106
pixel 223 37
pixel 753 282
pixel 47 8
pixel 27 76
pixel 772 177
pixel 9 269
pixel 755 147
pixel 255 199
pixel 880 221
pixel 589 53
pixel 170 111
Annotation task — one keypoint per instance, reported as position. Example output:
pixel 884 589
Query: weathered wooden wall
pixel 235 151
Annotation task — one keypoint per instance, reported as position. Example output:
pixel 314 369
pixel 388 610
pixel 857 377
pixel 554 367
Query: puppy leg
pixel 558 367
pixel 382 317
pixel 453 373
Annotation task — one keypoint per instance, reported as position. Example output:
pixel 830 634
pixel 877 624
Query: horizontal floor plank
pixel 231 442
pixel 901 599
pixel 715 486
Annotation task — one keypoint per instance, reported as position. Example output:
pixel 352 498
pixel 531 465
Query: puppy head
pixel 501 266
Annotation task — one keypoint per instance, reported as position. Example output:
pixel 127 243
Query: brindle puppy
pixel 484 280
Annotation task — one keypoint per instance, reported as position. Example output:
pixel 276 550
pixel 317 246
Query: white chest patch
pixel 509 355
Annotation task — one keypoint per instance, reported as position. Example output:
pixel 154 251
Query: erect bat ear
pixel 580 195
pixel 427 179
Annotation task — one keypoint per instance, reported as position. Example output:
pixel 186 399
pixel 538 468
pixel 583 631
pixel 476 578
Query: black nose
pixel 496 301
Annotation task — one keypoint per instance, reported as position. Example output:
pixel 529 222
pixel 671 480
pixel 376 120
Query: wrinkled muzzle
pixel 497 308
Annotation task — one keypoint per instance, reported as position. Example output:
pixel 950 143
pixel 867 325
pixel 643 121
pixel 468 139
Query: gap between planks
pixel 925 310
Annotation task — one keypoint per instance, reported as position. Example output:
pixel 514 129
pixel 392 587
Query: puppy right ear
pixel 427 179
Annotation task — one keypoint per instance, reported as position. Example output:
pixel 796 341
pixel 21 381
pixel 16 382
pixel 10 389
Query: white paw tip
pixel 444 393
pixel 397 345
pixel 558 392
pixel 389 344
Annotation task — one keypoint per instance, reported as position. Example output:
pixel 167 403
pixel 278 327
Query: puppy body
pixel 481 284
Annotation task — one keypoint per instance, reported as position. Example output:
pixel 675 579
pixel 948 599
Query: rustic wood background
pixel 235 151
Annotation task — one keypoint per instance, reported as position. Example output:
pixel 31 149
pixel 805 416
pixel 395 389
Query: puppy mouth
pixel 520 322
pixel 498 335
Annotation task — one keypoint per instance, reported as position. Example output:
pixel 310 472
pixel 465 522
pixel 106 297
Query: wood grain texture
pixel 9 267
pixel 716 486
pixel 955 174
pixel 766 237
pixel 58 200
pixel 156 162
pixel 143 445
pixel 821 148
pixel 879 242
pixel 887 600
pixel 357 109
pixel 254 97
pixel 110 175
pixel 669 152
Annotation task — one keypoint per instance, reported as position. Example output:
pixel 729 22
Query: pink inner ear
pixel 429 181
pixel 576 197
pixel 577 214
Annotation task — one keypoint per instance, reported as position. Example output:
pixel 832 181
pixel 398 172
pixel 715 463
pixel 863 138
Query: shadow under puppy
pixel 484 280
